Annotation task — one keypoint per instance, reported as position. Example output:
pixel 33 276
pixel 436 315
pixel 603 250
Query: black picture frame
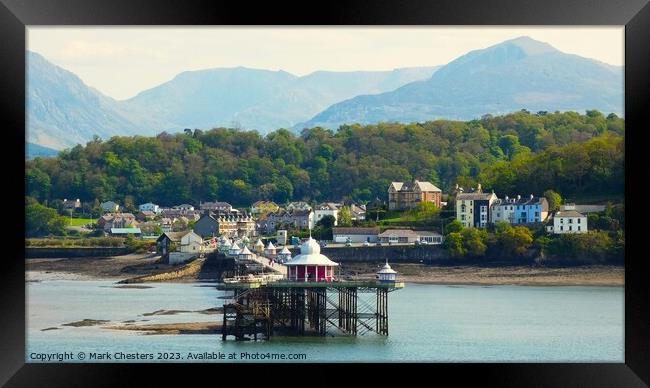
pixel 634 14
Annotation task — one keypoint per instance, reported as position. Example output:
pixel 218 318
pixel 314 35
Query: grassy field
pixel 81 221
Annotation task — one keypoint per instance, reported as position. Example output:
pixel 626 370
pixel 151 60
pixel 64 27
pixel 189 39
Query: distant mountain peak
pixel 520 73
pixel 529 45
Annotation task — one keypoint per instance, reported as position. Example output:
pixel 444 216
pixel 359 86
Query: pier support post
pixel 382 311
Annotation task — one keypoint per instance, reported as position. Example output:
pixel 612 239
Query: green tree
pixel 474 241
pixel 595 247
pixel 129 203
pixel 509 144
pixel 345 216
pixel 454 226
pixel 554 200
pixel 326 222
pixel 512 241
pixel 425 211
pixel 454 244
pixel 38 184
pixel 41 221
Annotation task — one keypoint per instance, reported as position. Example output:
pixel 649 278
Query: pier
pixel 305 298
pixel 262 308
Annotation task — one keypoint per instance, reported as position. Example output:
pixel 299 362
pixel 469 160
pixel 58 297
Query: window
pixel 570 227
pixel 536 214
pixel 498 215
pixel 561 227
pixel 570 220
pixel 462 217
pixel 578 221
pixel 578 228
pixel 561 220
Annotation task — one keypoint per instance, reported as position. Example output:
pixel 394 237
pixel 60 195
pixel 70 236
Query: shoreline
pixel 461 276
pixel 610 276
pixel 119 268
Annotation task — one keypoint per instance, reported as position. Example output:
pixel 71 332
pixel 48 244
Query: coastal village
pixel 268 254
pixel 185 231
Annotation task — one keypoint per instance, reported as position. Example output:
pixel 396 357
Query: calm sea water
pixel 427 323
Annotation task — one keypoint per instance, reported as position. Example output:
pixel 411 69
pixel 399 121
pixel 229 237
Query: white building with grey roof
pixel 473 209
pixel 567 220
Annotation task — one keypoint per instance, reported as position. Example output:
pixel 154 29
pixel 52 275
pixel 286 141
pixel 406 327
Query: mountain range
pixel 516 74
pixel 63 111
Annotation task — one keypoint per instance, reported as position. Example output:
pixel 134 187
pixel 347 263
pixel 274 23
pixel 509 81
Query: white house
pixel 69 204
pixel 151 207
pixel 473 209
pixel 184 207
pixel 518 210
pixel 327 209
pixel 358 212
pixel 567 220
pixel 191 243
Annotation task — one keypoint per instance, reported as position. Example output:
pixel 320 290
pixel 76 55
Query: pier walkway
pixel 277 267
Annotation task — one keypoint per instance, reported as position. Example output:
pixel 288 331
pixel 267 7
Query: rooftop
pixel 476 196
pixel 310 255
pixel 408 233
pixel 568 213
pixel 410 186
pixel 126 231
pixel 361 231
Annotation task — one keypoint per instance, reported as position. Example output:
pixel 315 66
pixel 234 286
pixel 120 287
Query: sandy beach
pixel 514 275
pixel 128 266
pixel 124 266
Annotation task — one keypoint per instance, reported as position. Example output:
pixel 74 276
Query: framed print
pixel 441 183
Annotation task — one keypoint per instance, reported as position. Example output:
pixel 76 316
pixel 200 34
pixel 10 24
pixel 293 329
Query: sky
pixel 121 62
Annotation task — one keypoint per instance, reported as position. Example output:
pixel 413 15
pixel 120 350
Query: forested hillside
pixel 522 152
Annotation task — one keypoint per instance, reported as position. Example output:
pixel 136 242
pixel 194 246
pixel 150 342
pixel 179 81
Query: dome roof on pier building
pixel 310 255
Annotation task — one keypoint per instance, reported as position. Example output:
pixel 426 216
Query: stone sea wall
pixel 392 253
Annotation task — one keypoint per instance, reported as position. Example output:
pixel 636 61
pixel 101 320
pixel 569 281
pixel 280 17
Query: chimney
pixel 518 197
pixel 478 188
pixel 506 198
pixel 531 197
